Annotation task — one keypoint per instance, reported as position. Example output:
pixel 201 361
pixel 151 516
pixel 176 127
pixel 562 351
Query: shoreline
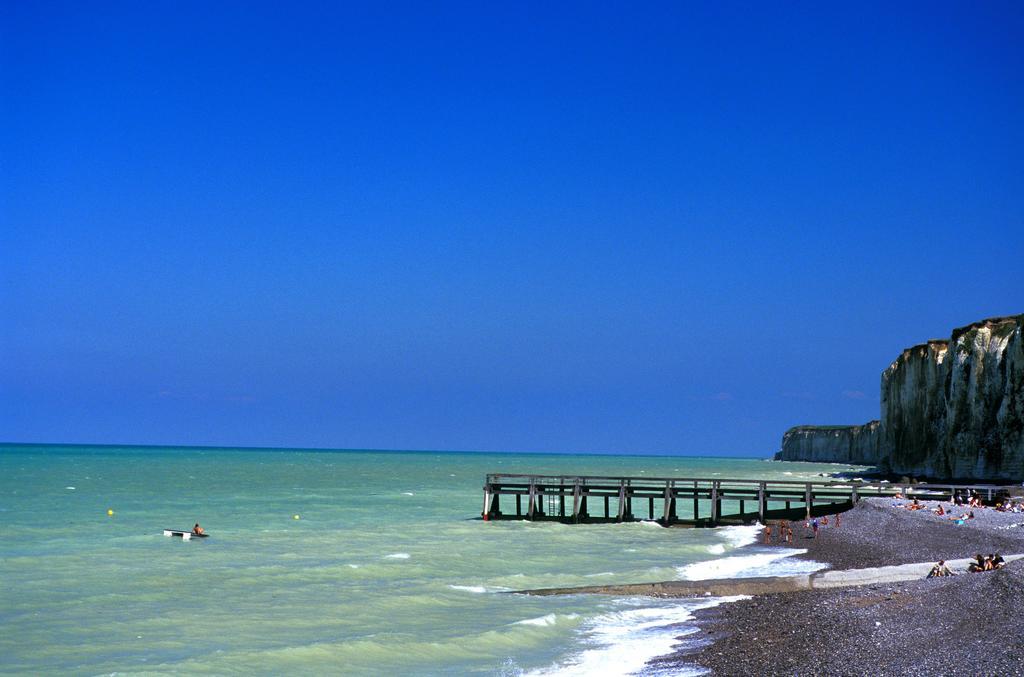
pixel 963 623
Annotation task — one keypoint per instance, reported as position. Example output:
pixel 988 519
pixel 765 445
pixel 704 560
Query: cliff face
pixel 952 409
pixel 832 444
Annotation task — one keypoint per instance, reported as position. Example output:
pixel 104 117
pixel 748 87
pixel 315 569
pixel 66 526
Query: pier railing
pixel 692 501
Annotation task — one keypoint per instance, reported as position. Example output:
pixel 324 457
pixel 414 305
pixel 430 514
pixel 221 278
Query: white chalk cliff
pixel 950 409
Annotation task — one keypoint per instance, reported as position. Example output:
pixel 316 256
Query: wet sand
pixel 968 624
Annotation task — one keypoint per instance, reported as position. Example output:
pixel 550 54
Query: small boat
pixel 185 535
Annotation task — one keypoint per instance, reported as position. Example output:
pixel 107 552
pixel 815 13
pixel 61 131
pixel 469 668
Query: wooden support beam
pixel 650 507
pixel 716 506
pixel 808 498
pixel 761 504
pixel 696 502
pixel 607 510
pixel 519 505
pixel 622 501
pixel 577 495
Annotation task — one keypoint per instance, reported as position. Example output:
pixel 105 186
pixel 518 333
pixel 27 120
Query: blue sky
pixel 681 228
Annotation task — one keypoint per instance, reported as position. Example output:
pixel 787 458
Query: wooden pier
pixel 698 502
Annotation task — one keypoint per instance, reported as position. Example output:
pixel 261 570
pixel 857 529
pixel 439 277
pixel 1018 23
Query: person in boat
pixel 998 562
pixel 940 569
pixel 978 564
pixel 197 530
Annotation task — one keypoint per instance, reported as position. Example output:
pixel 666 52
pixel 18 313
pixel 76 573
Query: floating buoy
pixel 295 517
pixel 110 511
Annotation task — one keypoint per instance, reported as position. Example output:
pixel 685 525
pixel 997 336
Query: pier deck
pixel 698 502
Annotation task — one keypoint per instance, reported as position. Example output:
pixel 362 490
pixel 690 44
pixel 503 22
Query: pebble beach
pixel 967 624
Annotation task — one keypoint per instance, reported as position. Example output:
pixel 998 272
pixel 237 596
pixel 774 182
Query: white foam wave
pixel 71 488
pixel 717 549
pixel 353 566
pixel 479 589
pixel 622 642
pixel 398 555
pixel 776 563
pixel 603 573
pixel 737 537
pixel 408 493
pixel 549 619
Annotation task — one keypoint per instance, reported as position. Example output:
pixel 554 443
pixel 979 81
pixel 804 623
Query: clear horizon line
pixel 372 450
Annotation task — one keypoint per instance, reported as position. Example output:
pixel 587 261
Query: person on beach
pixel 768 533
pixel 940 511
pixel 814 527
pixel 997 561
pixel 978 564
pixel 940 569
pixel 197 530
pixel 839 516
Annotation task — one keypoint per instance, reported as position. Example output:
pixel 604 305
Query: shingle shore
pixel 966 625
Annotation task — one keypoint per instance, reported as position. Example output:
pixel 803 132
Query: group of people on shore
pixel 940 510
pixel 972 499
pixel 967 501
pixel 782 530
pixel 989 563
pixel 980 563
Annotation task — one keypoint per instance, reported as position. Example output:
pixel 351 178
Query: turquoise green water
pixel 387 569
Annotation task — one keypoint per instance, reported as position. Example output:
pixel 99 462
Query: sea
pixel 340 562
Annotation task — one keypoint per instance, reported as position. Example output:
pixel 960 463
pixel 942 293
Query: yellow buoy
pixel 295 517
pixel 110 512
